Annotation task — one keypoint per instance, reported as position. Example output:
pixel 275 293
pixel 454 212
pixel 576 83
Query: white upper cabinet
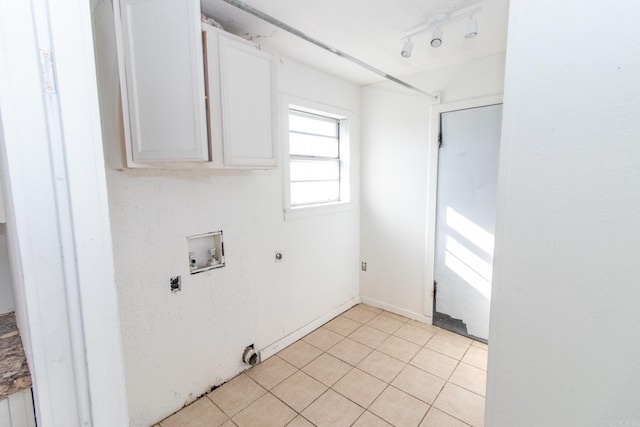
pixel 162 79
pixel 245 108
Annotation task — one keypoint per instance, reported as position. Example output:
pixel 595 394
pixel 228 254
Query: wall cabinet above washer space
pixel 162 81
pixel 193 96
pixel 242 94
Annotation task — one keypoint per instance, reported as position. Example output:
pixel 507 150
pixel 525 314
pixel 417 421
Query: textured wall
pixel 176 346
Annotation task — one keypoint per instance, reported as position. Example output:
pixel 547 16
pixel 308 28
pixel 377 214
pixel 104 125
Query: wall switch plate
pixel 363 266
pixel 175 283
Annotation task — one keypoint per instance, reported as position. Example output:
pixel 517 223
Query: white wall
pixel 176 346
pixel 564 348
pixel 320 266
pixel 7 303
pixel 395 171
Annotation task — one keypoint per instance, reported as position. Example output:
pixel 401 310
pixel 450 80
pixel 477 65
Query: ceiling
pixel 370 30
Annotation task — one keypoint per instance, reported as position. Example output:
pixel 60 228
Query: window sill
pixel 317 210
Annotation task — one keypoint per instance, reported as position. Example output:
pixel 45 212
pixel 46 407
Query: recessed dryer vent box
pixel 206 252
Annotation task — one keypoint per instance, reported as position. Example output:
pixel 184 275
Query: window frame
pixel 344 154
pixel 336 124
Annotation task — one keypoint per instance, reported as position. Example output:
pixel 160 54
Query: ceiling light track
pixel 440 20
pixel 273 21
pixel 436 22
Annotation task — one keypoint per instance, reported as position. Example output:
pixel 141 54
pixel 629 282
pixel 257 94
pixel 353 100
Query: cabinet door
pixel 164 100
pixel 246 84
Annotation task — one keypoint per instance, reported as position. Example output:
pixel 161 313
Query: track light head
pixel 436 38
pixel 407 48
pixel 435 24
pixel 472 28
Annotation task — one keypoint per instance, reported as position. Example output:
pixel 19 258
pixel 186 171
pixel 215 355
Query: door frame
pixel 58 227
pixel 432 186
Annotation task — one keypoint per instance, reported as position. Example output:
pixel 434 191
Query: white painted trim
pixel 323 209
pixel 99 334
pixel 397 310
pixel 272 349
pixel 5 413
pixel 57 202
pixel 32 226
pixel 18 410
pixel 432 184
pixel 3 215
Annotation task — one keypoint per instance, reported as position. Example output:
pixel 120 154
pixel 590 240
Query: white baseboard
pixel 272 349
pixel 397 310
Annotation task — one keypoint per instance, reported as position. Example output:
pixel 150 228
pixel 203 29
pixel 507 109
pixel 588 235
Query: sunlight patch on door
pixel 471 260
pixel 471 268
pixel 467 274
pixel 470 230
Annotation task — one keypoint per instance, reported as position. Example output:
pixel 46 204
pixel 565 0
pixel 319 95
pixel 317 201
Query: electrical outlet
pixel 363 266
pixel 175 283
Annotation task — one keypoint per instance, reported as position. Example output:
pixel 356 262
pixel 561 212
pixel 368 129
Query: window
pixel 318 173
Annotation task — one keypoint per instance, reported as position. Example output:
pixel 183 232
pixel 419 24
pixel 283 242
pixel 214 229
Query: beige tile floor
pixel 365 368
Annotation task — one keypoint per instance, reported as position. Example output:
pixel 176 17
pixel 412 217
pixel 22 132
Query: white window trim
pixel 305 105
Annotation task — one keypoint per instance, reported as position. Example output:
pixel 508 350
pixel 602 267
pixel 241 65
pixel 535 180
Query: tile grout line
pixel 454 370
pixel 251 403
pixel 347 373
pixel 445 412
pixel 448 382
pixel 389 384
pixel 371 349
pixel 365 409
pixel 294 410
pixel 328 387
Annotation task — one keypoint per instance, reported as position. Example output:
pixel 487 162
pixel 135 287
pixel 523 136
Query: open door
pixel 465 219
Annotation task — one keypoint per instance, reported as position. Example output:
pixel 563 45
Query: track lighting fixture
pixel 436 22
pixel 407 48
pixel 436 38
pixel 472 28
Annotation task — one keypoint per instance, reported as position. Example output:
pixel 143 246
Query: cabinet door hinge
pixel 435 289
pixel 440 140
pixel 46 69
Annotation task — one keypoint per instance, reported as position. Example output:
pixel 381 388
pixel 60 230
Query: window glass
pixel 315 165
pixel 317 171
pixel 309 193
pixel 312 124
pixel 301 144
pixel 313 170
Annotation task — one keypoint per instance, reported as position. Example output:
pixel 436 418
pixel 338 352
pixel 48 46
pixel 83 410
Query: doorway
pixel 469 143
